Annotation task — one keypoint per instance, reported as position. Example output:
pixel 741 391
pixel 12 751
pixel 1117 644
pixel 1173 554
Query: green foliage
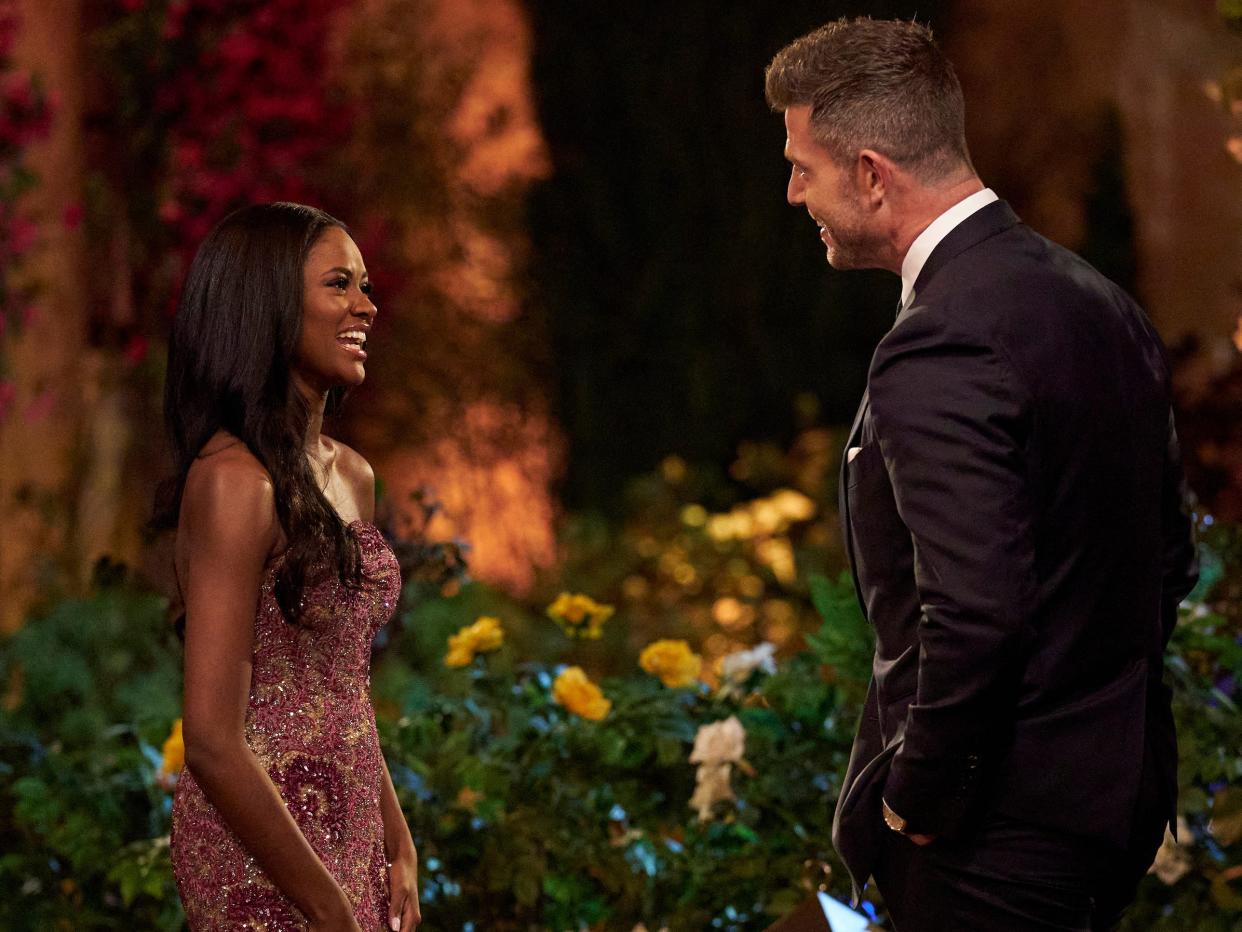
pixel 723 559
pixel 845 641
pixel 1204 669
pixel 93 687
pixel 527 816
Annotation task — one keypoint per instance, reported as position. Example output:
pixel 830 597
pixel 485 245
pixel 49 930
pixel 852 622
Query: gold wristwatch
pixel 892 819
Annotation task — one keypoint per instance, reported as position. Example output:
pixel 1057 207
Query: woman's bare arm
pixel 229 522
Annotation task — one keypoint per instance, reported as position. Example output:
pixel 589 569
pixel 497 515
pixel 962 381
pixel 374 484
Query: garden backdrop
pixel 605 405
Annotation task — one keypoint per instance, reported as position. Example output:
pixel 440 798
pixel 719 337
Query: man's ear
pixel 874 176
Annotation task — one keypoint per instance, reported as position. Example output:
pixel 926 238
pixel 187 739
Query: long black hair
pixel 230 366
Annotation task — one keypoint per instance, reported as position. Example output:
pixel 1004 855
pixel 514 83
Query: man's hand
pixel 921 840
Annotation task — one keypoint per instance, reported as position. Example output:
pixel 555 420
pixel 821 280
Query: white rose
pixel 719 742
pixel 1173 859
pixel 711 786
pixel 740 664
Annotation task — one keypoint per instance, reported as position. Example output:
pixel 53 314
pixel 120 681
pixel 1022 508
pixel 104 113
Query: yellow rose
pixel 672 661
pixel 579 616
pixel 792 505
pixel 483 636
pixel 488 634
pixel 573 690
pixel 174 752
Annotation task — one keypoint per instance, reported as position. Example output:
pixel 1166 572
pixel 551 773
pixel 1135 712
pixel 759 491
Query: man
pixel 1011 498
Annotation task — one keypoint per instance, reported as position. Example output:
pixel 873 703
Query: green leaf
pixel 845 641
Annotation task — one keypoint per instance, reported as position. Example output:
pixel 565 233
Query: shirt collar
pixel 929 239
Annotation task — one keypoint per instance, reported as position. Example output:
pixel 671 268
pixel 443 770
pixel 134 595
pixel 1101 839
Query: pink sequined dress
pixel 312 726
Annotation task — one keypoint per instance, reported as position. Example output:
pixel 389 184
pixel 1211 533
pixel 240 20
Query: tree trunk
pixel 41 453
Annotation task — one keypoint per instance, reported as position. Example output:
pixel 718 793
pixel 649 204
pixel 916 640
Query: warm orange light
pixel 489 459
pixel 491 475
pixel 1234 145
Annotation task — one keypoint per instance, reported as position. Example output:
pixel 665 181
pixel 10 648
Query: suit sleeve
pixel 952 424
pixel 1179 563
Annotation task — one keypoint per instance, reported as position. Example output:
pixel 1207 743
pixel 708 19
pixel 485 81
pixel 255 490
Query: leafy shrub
pixel 91 688
pixel 527 815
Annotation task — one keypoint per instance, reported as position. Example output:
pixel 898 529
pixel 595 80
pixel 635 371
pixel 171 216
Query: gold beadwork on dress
pixel 311 724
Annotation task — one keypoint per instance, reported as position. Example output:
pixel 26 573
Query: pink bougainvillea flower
pixel 8 33
pixel 8 391
pixel 136 349
pixel 40 408
pixel 22 236
pixel 187 155
pixel 72 216
pixel 19 92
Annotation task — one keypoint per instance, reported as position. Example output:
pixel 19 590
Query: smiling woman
pixel 285 816
pixel 337 307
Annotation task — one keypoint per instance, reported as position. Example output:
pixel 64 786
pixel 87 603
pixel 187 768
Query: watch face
pixel 893 820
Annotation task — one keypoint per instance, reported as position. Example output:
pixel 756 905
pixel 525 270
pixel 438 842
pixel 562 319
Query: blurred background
pixel 609 356
pixel 574 215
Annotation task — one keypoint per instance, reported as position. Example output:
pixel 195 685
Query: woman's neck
pixel 316 401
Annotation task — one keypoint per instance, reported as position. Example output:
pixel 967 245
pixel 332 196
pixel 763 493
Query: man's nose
pixel 795 192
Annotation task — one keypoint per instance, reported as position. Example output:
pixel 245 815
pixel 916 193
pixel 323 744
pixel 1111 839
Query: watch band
pixel 892 819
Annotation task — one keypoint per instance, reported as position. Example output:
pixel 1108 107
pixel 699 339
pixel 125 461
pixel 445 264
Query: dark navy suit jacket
pixel 1016 526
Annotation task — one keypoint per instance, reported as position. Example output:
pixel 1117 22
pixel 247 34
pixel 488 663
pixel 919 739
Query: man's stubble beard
pixel 857 247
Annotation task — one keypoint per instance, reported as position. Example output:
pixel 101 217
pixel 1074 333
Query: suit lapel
pixel 843 499
pixel 856 426
pixel 982 224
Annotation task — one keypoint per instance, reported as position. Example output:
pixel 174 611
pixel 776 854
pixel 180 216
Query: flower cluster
pixel 717 748
pixel 575 691
pixel 25 117
pixel 482 637
pixel 240 99
pixel 251 112
pixel 672 661
pixel 761 517
pixel 25 112
pixel 579 616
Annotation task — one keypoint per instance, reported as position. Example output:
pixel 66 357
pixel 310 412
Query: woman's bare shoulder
pixel 228 486
pixel 226 462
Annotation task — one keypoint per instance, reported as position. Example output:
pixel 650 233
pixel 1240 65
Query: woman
pixel 285 817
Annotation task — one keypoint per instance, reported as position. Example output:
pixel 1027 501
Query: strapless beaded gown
pixel 311 724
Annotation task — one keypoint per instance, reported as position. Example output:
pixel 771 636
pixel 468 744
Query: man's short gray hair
pixel 876 84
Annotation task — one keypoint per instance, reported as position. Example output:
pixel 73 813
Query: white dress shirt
pixel 929 239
